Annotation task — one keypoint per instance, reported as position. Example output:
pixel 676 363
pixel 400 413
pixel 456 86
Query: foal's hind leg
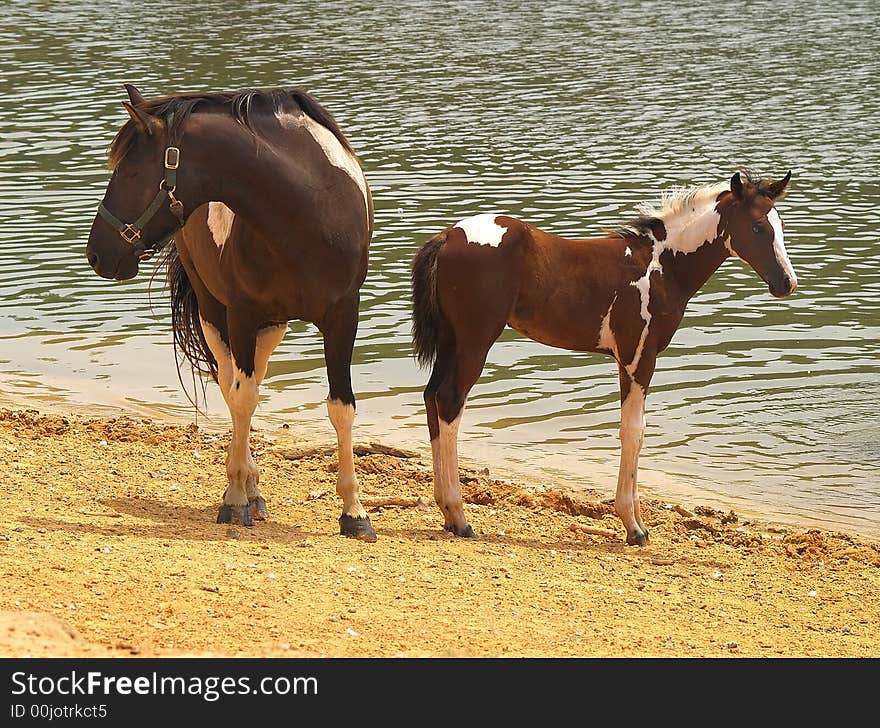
pixel 339 329
pixel 450 400
pixel 442 366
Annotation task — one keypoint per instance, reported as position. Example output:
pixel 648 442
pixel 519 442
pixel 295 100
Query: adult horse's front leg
pixel 632 433
pixel 339 329
pixel 250 351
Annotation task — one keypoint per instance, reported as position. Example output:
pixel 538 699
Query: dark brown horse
pixel 623 295
pixel 271 218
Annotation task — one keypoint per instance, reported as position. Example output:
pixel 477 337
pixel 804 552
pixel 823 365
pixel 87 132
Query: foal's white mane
pixel 679 200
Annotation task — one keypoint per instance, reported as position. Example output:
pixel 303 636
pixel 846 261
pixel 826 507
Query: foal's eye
pixel 757 228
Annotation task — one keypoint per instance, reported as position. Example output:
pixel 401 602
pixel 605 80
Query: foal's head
pixel 750 219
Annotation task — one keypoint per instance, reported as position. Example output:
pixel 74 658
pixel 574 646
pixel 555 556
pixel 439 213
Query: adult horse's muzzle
pixel 119 259
pixel 109 256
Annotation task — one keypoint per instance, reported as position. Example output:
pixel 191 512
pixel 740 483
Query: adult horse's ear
pixel 144 121
pixel 134 96
pixel 775 190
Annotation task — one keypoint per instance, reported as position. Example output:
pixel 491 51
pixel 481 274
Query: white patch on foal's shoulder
pixel 336 154
pixel 607 340
pixel 482 229
pixel 220 219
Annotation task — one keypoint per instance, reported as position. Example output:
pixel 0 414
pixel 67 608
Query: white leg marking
pixel 220 219
pixel 453 512
pixel 267 339
pixel 242 401
pixel 779 247
pixel 439 489
pixel 632 429
pixel 482 229
pixel 342 418
pixel 221 354
pixel 239 458
pixel 336 154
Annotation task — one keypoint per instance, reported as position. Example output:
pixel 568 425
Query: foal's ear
pixel 145 123
pixel 736 186
pixel 775 190
pixel 134 96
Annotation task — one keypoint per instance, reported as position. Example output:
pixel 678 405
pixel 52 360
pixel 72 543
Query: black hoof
pixel 466 532
pixel 239 515
pixel 358 527
pixel 258 508
pixel 637 538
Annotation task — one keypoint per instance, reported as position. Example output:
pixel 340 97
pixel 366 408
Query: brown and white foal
pixel 623 295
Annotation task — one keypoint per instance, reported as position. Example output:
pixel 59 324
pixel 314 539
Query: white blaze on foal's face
pixel 482 229
pixel 779 247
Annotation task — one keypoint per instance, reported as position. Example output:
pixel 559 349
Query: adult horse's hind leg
pixel 250 357
pixel 339 329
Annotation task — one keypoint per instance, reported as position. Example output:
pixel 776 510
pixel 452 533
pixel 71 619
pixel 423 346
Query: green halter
pixel 131 232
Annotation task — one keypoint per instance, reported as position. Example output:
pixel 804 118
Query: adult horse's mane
pixel 241 105
pixel 677 200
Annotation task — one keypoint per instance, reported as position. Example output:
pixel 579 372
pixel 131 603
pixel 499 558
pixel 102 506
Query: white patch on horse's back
pixel 336 154
pixel 779 246
pixel 482 229
pixel 220 219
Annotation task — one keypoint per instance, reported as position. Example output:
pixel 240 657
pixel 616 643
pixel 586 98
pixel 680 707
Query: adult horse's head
pixel 141 210
pixel 754 227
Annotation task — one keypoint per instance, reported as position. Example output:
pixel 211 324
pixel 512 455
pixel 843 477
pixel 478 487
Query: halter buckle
pixel 172 158
pixel 130 233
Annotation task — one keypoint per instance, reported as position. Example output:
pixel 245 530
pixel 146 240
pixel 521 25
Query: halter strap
pixel 131 232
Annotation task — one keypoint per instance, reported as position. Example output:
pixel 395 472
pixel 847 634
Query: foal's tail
pixel 426 309
pixel 189 339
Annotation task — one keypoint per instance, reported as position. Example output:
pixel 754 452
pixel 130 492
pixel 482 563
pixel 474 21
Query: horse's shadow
pixel 174 522
pixel 186 523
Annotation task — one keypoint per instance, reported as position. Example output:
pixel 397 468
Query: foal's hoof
pixel 465 532
pixel 239 515
pixel 637 538
pixel 358 527
pixel 258 509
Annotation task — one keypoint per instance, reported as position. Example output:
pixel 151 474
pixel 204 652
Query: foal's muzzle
pixel 782 286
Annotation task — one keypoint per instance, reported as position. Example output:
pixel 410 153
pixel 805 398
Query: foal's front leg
pixel 632 432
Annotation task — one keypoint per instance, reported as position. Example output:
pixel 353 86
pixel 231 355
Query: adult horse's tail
pixel 426 309
pixel 189 339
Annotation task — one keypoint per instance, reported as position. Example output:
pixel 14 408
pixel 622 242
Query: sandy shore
pixel 109 547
